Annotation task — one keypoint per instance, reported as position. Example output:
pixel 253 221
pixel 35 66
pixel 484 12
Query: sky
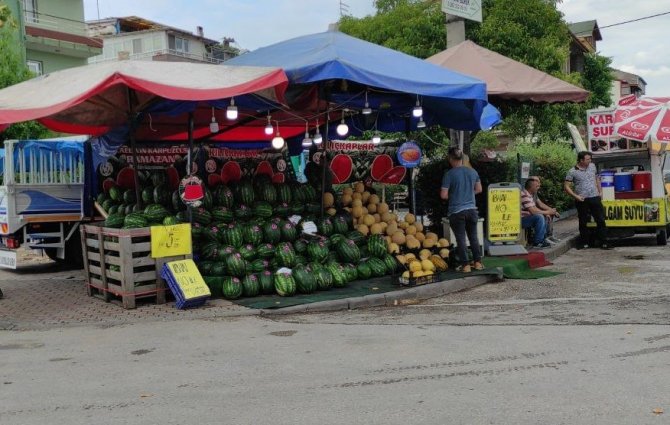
pixel 637 47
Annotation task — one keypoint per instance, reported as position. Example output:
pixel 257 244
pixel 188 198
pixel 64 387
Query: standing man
pixel 460 185
pixel 583 184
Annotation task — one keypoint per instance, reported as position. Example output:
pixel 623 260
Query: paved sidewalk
pixel 44 295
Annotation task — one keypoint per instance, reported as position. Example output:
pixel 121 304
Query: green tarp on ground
pixel 517 268
pixel 359 288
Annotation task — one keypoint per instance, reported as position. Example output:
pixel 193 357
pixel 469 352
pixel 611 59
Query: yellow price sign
pixel 188 278
pixel 504 213
pixel 170 241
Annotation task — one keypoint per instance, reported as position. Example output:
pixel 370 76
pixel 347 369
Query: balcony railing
pixel 166 52
pixel 54 23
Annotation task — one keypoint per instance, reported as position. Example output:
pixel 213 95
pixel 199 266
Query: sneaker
pixel 606 247
pixel 464 269
pixel 553 239
pixel 550 242
pixel 478 266
pixel 541 245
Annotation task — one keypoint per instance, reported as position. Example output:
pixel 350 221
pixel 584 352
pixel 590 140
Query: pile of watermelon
pixel 244 239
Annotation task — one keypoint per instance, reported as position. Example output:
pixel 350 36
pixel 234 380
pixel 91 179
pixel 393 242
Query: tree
pixel 12 71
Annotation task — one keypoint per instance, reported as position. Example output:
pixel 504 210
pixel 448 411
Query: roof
pixel 506 78
pixel 136 24
pixel 586 29
pixel 628 77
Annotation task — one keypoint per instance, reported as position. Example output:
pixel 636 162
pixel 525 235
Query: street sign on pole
pixel 468 9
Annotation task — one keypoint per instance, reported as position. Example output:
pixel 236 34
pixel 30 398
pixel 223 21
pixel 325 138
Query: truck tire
pixel 73 255
pixel 662 237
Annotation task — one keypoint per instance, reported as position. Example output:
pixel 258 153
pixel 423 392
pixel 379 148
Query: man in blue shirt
pixel 460 185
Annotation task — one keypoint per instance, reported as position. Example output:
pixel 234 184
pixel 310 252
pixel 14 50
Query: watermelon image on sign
pixel 278 178
pixel 231 172
pixel 381 165
pixel 342 167
pixel 264 167
pixel 172 177
pixel 394 176
pixel 126 178
pixel 191 191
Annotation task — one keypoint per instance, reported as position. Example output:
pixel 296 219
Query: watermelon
pixel 222 214
pixel 339 276
pixel 324 279
pixel 364 271
pixel 282 210
pixel 266 282
pixel 266 250
pixel 210 250
pixel 155 213
pixel 267 193
pixel 252 234
pixel 223 196
pixel 258 265
pixel 135 220
pixel 377 246
pixel 148 195
pixel 205 267
pixel 271 233
pixel 283 193
pixel 250 286
pixel 116 194
pixel 215 284
pixel 108 184
pixel 317 251
pixel 115 221
pixel 357 237
pixel 162 194
pixel 232 235
pixel 285 254
pixel 129 196
pixel 377 266
pixel 245 192
pixel 341 167
pixel 170 221
pixel 243 212
pixel 236 265
pixel 284 284
pixel 158 178
pixel 125 179
pixel 340 224
pixel 201 216
pixel 101 198
pixel 262 209
pixel 288 232
pixel 232 287
pixel 207 199
pixel 300 246
pixel 248 252
pixel 304 280
pixel 324 226
pixel 390 263
pixel 381 165
pixel 336 239
pixel 218 268
pixel 350 272
pixel 108 204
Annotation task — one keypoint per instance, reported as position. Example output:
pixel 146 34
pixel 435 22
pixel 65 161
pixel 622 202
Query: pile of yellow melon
pixel 371 216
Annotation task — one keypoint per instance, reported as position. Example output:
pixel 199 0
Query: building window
pixel 35 67
pixel 178 44
pixel 137 46
pixel 30 10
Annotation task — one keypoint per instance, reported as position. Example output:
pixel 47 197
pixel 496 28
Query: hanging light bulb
pixel 278 141
pixel 231 110
pixel 318 139
pixel 213 126
pixel 342 128
pixel 306 141
pixel 268 127
pixel 417 112
pixel 421 123
pixel 376 138
pixel 366 110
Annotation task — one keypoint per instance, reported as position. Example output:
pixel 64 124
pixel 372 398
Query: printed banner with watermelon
pixel 214 165
pixel 351 161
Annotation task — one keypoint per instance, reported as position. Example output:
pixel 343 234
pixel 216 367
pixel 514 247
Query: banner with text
pixel 504 212
pixel 635 212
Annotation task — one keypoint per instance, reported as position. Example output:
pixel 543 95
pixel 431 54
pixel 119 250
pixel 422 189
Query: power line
pixel 635 20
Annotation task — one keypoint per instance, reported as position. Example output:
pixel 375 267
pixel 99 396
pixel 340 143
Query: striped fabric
pixel 527 202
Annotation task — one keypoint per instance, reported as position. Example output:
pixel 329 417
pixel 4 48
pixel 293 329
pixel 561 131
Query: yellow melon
pixel 346 199
pixel 410 218
pixel 413 244
pixel 356 203
pixel 376 229
pixel 365 210
pixel 359 187
pixel 444 253
pixel 328 199
pixel 410 229
pixel 415 266
pixel 388 240
pixel 331 211
pixel 405 274
pixel 356 196
pixel 382 208
pixel 347 191
pixel 393 248
pixel 357 211
pixel 372 208
pixel 399 238
pixel 410 256
pixel 442 242
pixel 401 259
pixel 364 229
pixel 366 196
pixel 387 216
pixel 419 236
pixel 368 220
pixel 391 227
pixel 403 225
pixel 427 265
pixel 377 217
pixel 428 243
pixel 383 224
pixel 373 199
pixel 419 226
pixel 424 254
pixel 431 235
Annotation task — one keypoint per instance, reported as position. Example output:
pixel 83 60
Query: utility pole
pixel 344 9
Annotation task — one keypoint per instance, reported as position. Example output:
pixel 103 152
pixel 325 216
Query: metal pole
pixel 410 185
pixel 189 162
pixel 133 148
pixel 324 161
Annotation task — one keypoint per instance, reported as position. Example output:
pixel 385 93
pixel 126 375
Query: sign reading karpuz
pixel 468 9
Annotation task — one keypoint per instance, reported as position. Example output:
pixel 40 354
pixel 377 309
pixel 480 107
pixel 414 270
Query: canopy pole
pixel 189 162
pixel 324 161
pixel 133 148
pixel 410 185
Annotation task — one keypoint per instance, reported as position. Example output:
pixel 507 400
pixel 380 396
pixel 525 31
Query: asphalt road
pixel 590 346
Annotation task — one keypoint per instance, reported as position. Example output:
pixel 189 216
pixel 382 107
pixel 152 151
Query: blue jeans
pixel 539 225
pixel 462 223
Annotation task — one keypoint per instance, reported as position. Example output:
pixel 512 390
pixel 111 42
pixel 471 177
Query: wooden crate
pixel 118 263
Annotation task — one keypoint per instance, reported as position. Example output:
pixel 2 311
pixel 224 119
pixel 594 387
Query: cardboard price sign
pixel 170 241
pixel 504 212
pixel 187 277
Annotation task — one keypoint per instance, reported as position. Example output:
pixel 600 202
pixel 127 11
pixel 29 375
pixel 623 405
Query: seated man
pixel 532 216
pixel 549 213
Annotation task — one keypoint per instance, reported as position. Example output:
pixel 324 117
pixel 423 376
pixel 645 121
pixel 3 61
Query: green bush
pixel 483 140
pixel 428 184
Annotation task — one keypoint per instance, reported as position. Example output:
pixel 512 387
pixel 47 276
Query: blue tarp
pixel 448 98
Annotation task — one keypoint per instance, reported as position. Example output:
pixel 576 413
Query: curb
pixel 561 248
pixel 392 298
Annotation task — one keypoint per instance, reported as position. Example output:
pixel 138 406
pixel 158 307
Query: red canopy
pixel 95 98
pixel 646 118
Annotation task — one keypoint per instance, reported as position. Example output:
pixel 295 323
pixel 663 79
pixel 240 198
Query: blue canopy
pixel 393 81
